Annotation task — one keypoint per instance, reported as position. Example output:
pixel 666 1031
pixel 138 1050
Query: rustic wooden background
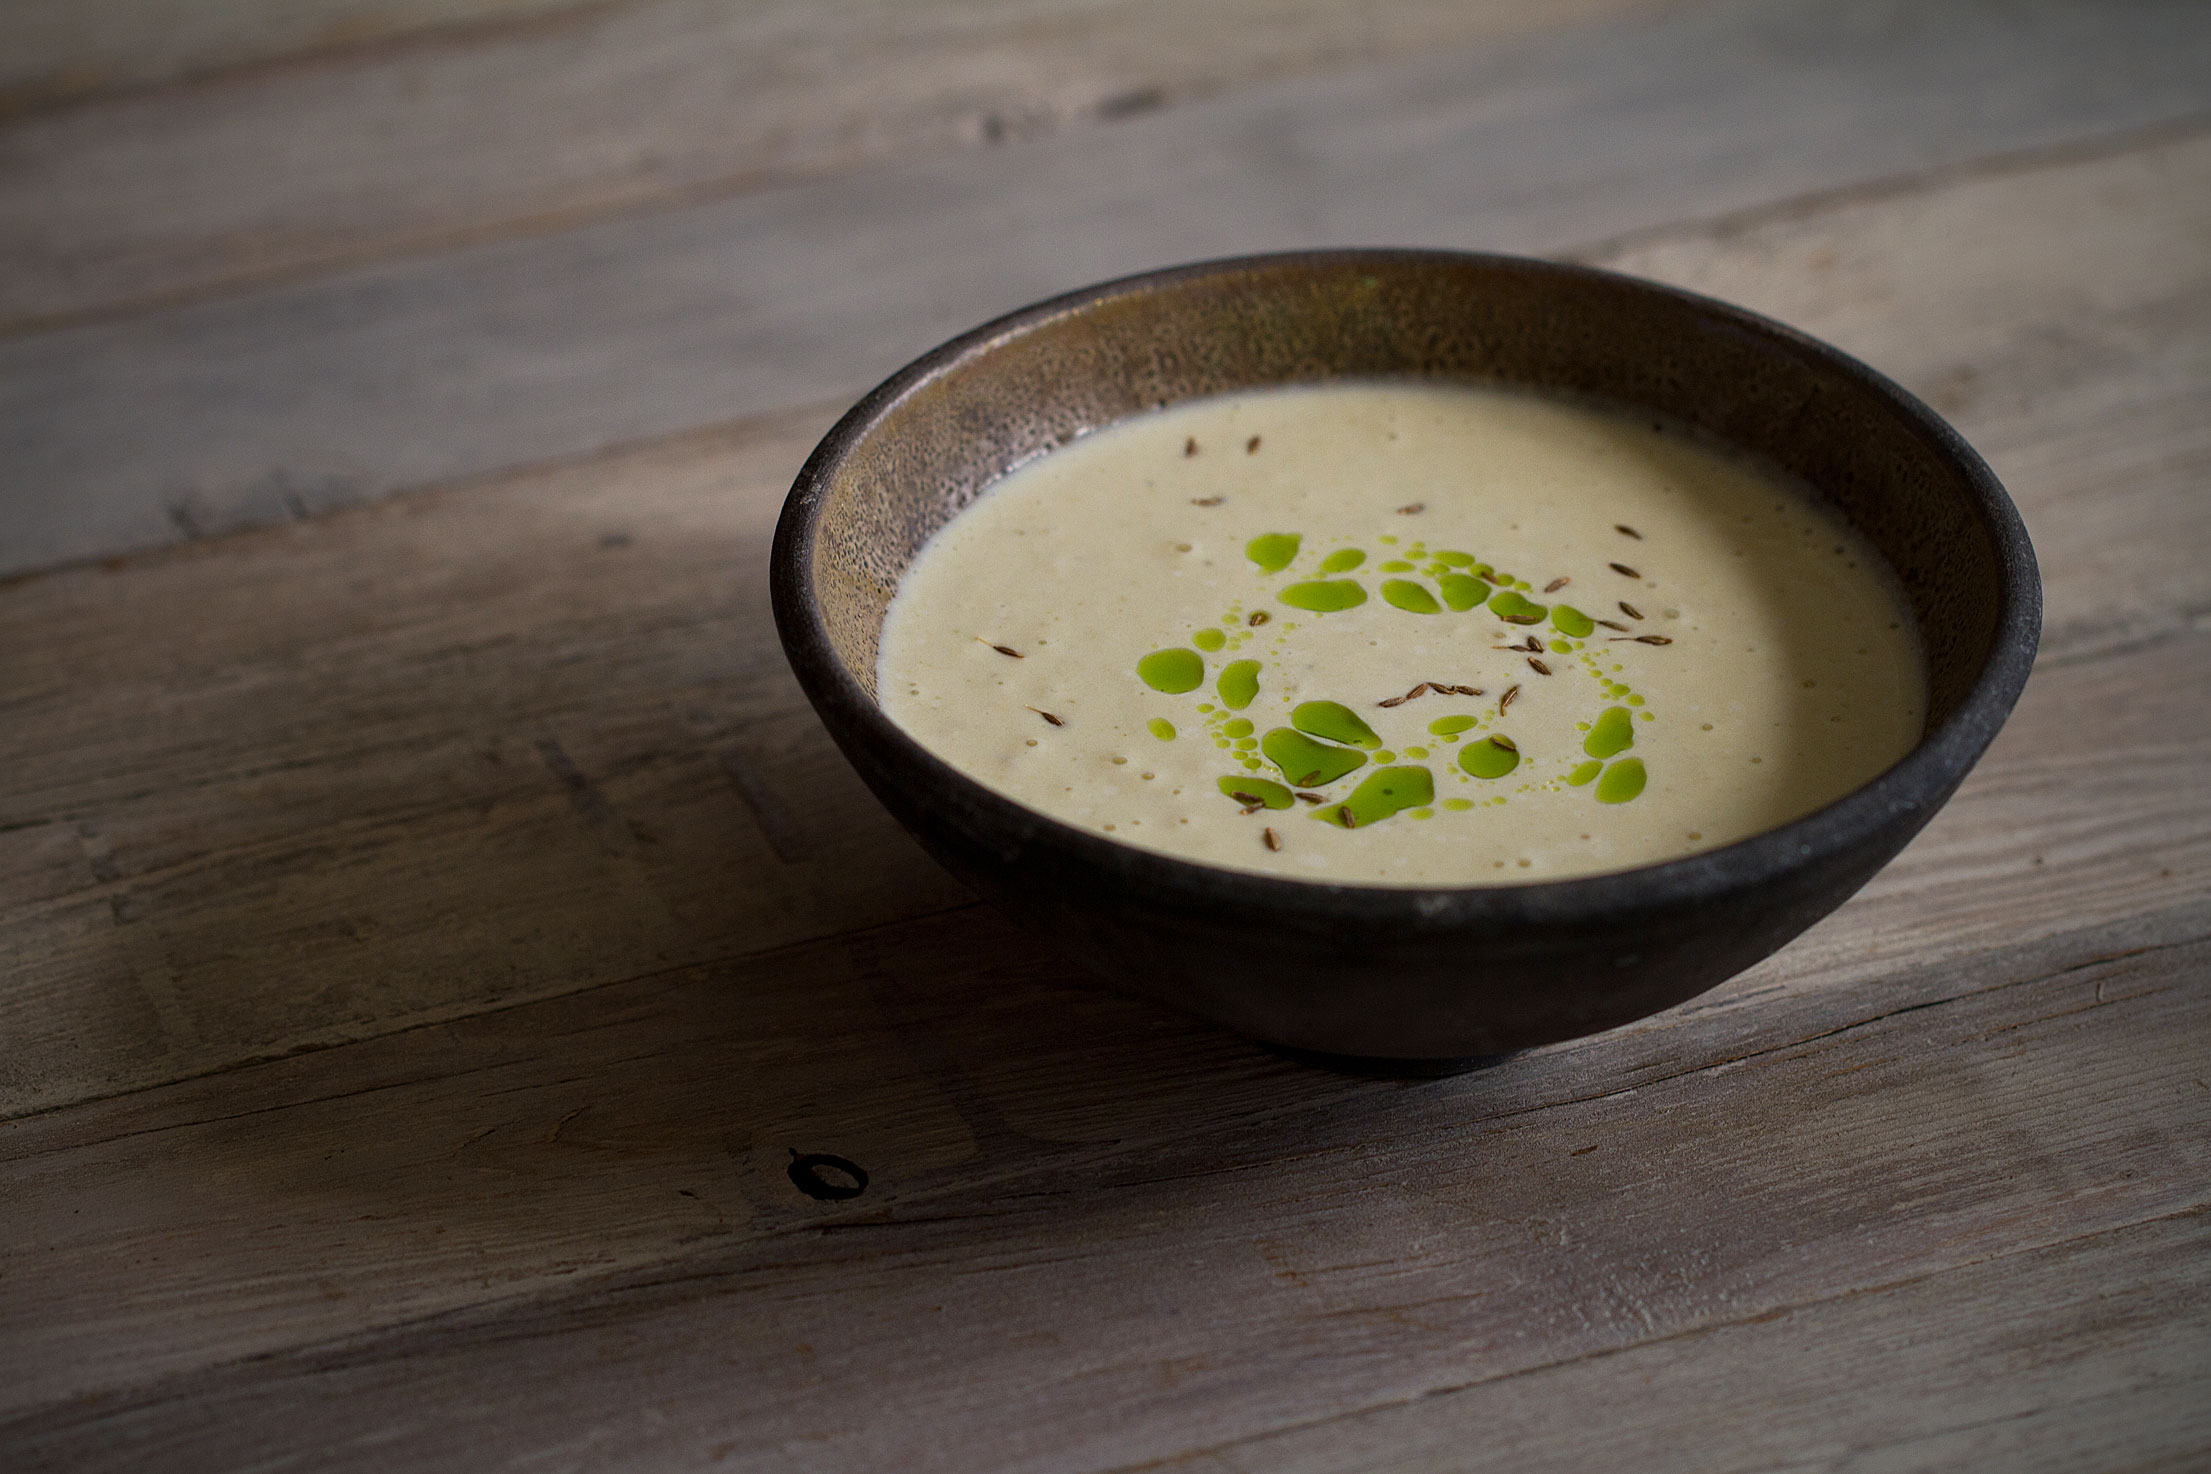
pixel 430 920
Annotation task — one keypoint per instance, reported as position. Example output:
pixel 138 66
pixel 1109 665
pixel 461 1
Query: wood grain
pixel 496 743
pixel 227 413
pixel 1252 1248
pixel 591 109
pixel 58 51
pixel 2084 1353
pixel 474 750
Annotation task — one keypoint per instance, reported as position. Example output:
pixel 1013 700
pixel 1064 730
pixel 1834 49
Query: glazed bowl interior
pixel 1382 972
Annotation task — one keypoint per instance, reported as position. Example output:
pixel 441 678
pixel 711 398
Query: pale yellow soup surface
pixel 1789 674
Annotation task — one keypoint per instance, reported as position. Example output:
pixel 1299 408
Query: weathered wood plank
pixel 373 726
pixel 227 413
pixel 2089 1353
pixel 514 743
pixel 54 51
pixel 605 108
pixel 1233 1264
pixel 514 1151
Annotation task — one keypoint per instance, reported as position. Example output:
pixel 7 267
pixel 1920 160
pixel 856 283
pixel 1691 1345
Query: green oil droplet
pixel 1273 550
pixel 1307 763
pixel 1454 558
pixel 1436 569
pixel 1385 756
pixel 1411 752
pixel 1387 538
pixel 1335 721
pixel 1246 744
pixel 1237 727
pixel 1613 733
pixel 1343 560
pixel 1621 782
pixel 1583 772
pixel 1634 700
pixel 1568 620
pixel 1161 728
pixel 1493 757
pixel 1445 726
pixel 1513 609
pixel 1209 639
pixel 1238 684
pixel 1395 565
pixel 1205 706
pixel 1245 790
pixel 1420 813
pixel 1325 595
pixel 1458 805
pixel 1409 596
pixel 1381 794
pixel 1173 670
pixel 1562 647
pixel 1461 592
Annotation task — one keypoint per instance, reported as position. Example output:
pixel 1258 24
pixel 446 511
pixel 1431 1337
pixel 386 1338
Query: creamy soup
pixel 1403 634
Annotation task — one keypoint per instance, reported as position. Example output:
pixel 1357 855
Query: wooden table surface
pixel 431 921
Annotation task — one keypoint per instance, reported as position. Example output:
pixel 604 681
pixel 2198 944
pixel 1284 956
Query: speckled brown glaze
pixel 1391 976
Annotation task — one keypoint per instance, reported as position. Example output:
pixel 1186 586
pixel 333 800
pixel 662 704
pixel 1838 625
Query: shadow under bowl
pixel 1402 980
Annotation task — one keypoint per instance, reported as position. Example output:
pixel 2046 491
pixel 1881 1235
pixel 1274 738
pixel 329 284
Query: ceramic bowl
pixel 1402 980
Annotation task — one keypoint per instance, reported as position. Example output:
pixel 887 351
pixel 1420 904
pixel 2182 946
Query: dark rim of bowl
pixel 1923 778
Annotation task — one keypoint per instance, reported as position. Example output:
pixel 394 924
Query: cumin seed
pixel 1311 798
pixel 1556 584
pixel 1630 610
pixel 1412 509
pixel 1040 711
pixel 1247 799
pixel 1258 617
pixel 1001 649
pixel 1631 532
pixel 1207 501
pixel 1499 739
pixel 1624 571
pixel 1612 624
pixel 1251 446
pixel 1190 446
pixel 1350 820
pixel 1506 699
pixel 1540 668
pixel 1274 841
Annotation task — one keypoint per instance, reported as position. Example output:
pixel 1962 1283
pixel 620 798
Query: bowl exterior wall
pixel 1391 974
pixel 1371 982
